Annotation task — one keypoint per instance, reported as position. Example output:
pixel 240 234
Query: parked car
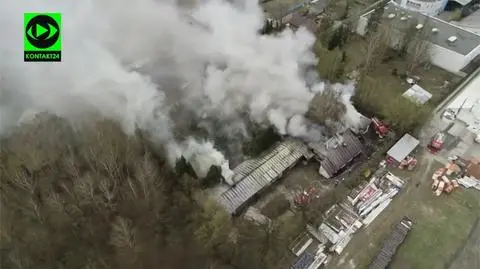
pixel 449 114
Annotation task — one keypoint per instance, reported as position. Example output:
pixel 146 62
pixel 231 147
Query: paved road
pixel 465 146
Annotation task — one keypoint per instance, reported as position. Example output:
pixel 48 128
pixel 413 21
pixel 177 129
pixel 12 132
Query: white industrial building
pixel 429 7
pixel 452 47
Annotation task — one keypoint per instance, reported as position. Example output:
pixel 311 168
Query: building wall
pixel 439 56
pixel 430 7
pixel 447 59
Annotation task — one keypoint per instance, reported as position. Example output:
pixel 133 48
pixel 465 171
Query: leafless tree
pixel 377 47
pixel 122 234
pixel 325 106
pixel 419 51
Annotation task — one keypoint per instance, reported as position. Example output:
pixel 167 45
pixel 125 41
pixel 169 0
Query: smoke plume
pixel 160 67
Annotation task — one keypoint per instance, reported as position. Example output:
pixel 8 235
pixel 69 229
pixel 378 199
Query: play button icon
pixel 42 31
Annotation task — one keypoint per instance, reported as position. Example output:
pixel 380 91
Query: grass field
pixel 442 225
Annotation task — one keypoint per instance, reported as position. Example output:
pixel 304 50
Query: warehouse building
pixel 255 175
pixel 451 47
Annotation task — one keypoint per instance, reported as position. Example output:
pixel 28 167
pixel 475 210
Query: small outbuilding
pixel 402 148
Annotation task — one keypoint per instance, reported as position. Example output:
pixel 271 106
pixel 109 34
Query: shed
pixel 403 148
pixel 417 94
pixel 338 156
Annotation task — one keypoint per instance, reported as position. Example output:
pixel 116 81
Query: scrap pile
pixel 441 182
pixel 457 172
pixel 305 197
pixel 370 199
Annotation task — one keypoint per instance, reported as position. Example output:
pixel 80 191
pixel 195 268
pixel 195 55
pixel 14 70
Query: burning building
pixel 254 175
pixel 337 153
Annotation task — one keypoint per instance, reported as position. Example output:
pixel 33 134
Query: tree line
pixel 92 197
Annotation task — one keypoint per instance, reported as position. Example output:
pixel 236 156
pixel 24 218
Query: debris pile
pixel 457 172
pixel 342 220
pixel 441 182
pixel 370 199
pixel 391 244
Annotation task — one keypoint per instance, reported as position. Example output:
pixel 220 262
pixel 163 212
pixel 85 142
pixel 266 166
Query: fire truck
pixel 436 144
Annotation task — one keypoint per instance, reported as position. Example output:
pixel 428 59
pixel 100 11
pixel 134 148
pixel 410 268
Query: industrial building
pixel 451 47
pixel 434 7
pixel 254 175
pixel 429 7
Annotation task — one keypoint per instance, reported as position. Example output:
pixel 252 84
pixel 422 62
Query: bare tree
pixel 419 51
pixel 325 106
pixel 122 234
pixel 377 47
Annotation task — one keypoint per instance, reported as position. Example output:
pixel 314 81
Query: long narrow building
pixel 391 244
pixel 254 175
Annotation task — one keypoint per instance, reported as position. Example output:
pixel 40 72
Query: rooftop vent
pixel 419 26
pixel 452 39
pixel 391 15
pixel 403 18
pixel 434 30
pixel 409 16
pixel 385 8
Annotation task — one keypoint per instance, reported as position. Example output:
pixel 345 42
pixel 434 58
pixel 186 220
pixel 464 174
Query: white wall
pixel 428 7
pixel 439 56
pixel 447 59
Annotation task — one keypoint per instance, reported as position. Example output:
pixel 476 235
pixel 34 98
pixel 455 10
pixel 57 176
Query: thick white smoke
pixel 209 59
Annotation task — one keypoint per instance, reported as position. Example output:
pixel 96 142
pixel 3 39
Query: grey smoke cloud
pixel 134 61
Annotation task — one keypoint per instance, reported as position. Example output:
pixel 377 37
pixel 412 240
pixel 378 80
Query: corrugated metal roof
pixel 403 147
pixel 254 175
pixel 338 157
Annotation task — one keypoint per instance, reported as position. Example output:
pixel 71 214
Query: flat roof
pixel 418 94
pixel 466 41
pixel 403 147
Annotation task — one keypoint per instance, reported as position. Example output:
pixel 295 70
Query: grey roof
pixel 339 156
pixel 466 41
pixel 254 175
pixel 403 147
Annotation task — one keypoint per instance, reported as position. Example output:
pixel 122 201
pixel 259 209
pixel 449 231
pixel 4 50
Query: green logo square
pixel 42 41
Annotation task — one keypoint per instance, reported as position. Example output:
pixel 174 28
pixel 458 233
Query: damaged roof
pixel 337 157
pixel 254 175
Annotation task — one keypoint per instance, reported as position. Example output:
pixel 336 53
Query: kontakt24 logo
pixel 42 37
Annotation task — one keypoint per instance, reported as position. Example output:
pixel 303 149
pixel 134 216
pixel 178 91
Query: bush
pixel 276 207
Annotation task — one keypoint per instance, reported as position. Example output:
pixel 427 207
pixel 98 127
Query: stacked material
pixel 443 184
pixel 375 196
pixel 391 244
pixel 469 182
